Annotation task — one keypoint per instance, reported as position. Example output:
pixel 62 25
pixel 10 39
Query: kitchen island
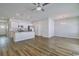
pixel 19 36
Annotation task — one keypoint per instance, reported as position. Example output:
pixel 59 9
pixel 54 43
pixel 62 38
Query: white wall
pixel 44 28
pixel 41 28
pixel 61 27
pixel 51 27
pixel 37 27
pixel 67 28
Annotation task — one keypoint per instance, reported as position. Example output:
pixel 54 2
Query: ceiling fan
pixel 39 6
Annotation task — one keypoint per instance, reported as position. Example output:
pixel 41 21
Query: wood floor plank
pixel 40 46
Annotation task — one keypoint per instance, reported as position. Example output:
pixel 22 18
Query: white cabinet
pixel 19 36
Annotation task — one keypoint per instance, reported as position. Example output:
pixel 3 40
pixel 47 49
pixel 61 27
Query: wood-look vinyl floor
pixel 56 46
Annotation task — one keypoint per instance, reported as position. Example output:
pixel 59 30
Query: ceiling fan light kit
pixel 39 6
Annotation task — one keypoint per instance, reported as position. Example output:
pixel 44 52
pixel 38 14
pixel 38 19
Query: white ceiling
pixel 24 11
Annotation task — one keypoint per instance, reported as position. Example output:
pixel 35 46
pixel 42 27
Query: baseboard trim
pixel 67 37
pixel 43 36
pixel 56 36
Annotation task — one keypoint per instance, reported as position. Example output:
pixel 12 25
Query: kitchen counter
pixel 19 36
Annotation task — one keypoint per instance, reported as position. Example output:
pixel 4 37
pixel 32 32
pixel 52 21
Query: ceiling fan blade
pixel 45 4
pixel 42 10
pixel 34 9
pixel 34 3
pixel 38 4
